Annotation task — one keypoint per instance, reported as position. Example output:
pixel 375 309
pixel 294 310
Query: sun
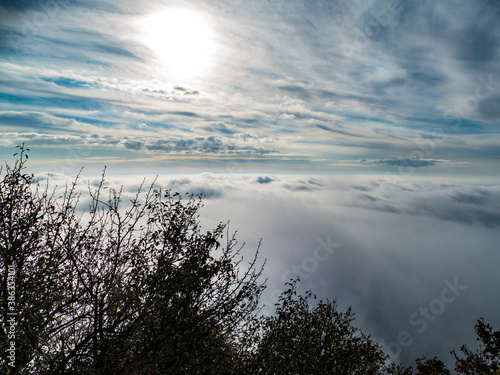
pixel 182 40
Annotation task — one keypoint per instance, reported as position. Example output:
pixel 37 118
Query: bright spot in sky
pixel 183 41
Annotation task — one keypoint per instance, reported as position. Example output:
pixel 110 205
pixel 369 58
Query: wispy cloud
pixel 355 79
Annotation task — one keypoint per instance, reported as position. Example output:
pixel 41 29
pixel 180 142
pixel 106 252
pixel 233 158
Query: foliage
pixel 395 369
pixel 299 339
pixel 133 291
pixel 486 359
pixel 30 222
pixel 432 366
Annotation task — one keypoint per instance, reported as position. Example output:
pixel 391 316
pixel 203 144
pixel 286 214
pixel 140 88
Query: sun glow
pixel 183 41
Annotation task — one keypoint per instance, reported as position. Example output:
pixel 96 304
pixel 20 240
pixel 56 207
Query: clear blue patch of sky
pixel 40 101
pixel 368 118
pixel 87 120
pixel 68 82
pixel 456 125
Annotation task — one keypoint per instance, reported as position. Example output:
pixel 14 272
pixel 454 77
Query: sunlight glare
pixel 183 41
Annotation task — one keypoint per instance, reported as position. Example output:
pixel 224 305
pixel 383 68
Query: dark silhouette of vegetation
pixel 484 360
pixel 299 339
pixel 142 290
pixel 136 291
pixel 431 366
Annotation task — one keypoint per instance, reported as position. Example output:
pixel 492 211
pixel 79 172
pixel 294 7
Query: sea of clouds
pixel 417 259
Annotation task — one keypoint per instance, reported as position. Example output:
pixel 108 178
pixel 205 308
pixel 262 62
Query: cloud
pixel 186 91
pixel 221 127
pixel 211 145
pixel 33 119
pixel 388 263
pixel 296 91
pixel 327 128
pixel 473 206
pixel 134 145
pixel 477 44
pixel 287 116
pixel 405 162
pixel 265 180
pixel 302 185
pixel 300 70
pixel 184 113
pixel 488 109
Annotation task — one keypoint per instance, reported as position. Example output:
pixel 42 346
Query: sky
pixel 359 139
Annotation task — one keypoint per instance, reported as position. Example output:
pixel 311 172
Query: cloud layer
pixel 334 80
pixel 388 249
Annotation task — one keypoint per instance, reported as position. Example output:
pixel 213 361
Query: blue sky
pixel 376 123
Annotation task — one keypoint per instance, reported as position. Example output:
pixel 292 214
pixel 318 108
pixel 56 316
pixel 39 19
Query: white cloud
pixel 395 244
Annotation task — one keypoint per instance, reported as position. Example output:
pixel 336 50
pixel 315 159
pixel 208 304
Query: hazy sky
pixel 374 125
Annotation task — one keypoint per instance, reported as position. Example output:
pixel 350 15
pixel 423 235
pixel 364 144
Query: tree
pixel 299 339
pixel 432 366
pixel 137 290
pixel 484 360
pixel 397 369
pixel 32 267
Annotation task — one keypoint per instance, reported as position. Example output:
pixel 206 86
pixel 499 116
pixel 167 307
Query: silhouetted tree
pixel 484 360
pixel 119 291
pixel 397 369
pixel 300 339
pixel 432 366
pixel 36 294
